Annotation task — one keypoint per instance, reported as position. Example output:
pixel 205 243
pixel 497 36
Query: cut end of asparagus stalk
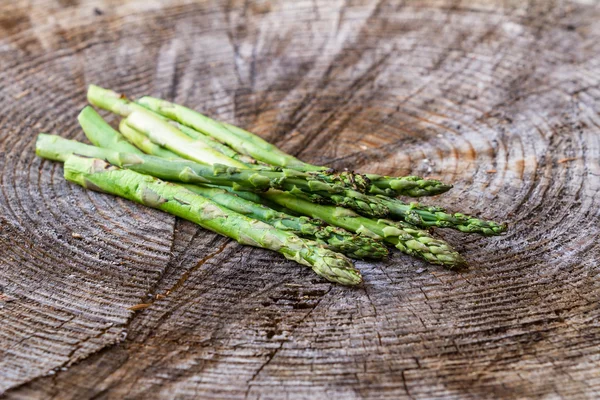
pixel 109 100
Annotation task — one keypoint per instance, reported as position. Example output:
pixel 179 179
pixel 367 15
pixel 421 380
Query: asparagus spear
pixel 251 145
pixel 192 172
pixel 403 236
pixel 169 137
pixel 101 134
pixel 334 238
pixel 142 142
pixel 98 175
pixel 427 216
pixel 121 105
pixel 248 143
pixel 365 183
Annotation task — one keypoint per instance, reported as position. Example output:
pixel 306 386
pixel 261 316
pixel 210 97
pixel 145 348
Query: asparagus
pixel 248 143
pixel 334 238
pixel 57 148
pixel 101 134
pixel 98 175
pixel 428 216
pixel 253 145
pixel 192 172
pixel 169 137
pixel 121 105
pixel 403 236
pixel 142 142
pixel 365 183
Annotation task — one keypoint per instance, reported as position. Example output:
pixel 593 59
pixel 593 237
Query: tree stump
pixel 102 298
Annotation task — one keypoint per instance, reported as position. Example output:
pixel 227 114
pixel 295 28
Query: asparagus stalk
pixel 251 145
pixel 121 105
pixel 101 134
pixel 169 137
pixel 142 142
pixel 334 238
pixel 192 172
pixel 428 216
pixel 209 141
pixel 403 236
pixel 98 175
pixel 365 183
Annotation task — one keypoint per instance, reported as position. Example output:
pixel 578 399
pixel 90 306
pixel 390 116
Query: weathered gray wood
pixel 500 98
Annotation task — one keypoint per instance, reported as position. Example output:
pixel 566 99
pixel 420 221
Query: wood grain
pixel 101 298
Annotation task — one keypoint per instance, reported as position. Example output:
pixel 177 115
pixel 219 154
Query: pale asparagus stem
pixel 121 105
pixel 403 236
pixel 169 137
pixel 228 151
pixel 114 102
pixel 334 238
pixel 253 146
pixel 142 142
pixel 98 175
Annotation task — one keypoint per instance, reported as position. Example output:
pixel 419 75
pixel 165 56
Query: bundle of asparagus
pixel 232 182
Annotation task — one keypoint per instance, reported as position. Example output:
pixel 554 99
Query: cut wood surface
pixel 102 298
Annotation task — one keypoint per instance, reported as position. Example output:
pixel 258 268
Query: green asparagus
pixel 427 216
pixel 142 142
pixel 192 172
pixel 121 105
pixel 98 175
pixel 169 137
pixel 334 238
pixel 101 134
pixel 365 183
pixel 253 145
pixel 248 143
pixel 243 179
pixel 403 236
